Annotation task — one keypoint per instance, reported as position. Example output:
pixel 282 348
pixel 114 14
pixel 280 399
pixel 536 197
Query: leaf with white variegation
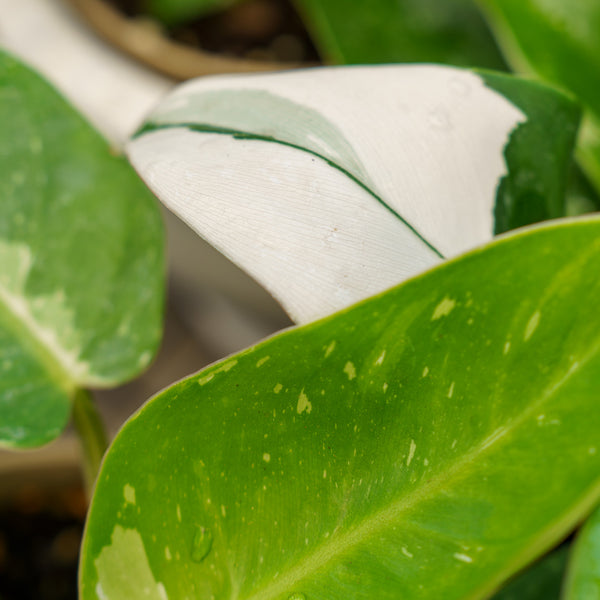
pixel 81 261
pixel 329 185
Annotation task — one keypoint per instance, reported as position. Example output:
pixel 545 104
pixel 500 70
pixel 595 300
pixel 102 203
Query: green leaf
pixel 541 581
pixel 385 31
pixel 583 575
pixel 389 451
pixel 172 12
pixel 81 261
pixel 559 42
pixel 301 182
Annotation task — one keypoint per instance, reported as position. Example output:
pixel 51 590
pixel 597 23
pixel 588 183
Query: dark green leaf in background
pixel 560 43
pixel 81 261
pixel 426 443
pixel 542 581
pixel 583 579
pixel 538 155
pixel 385 31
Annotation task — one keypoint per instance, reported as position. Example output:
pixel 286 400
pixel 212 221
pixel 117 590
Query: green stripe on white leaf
pixel 339 182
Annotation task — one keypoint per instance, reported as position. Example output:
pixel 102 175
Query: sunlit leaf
pixel 389 451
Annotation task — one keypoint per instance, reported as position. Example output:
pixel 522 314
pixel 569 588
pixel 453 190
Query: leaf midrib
pixel 378 522
pixel 247 135
pixel 54 358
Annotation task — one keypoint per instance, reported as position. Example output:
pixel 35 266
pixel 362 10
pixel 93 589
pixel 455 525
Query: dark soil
pixel 255 29
pixel 40 534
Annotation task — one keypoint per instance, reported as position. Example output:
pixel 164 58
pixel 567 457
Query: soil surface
pixel 40 533
pixel 255 29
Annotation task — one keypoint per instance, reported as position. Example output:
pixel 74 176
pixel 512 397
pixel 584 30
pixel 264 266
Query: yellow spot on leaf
pixel 267 457
pixel 262 361
pixel 129 494
pixel 532 324
pixel 411 452
pixel 443 309
pixel 303 404
pixel 381 358
pixel 350 370
pixel 329 349
pixel 205 379
pixel 278 388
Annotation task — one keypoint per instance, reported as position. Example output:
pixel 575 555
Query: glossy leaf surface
pixel 583 579
pixel 559 42
pixel 81 261
pixel 301 182
pixel 387 31
pixel 389 451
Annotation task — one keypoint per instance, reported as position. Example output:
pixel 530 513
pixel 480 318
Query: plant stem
pixel 92 436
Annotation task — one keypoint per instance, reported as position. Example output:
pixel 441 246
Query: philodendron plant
pixel 430 440
pixel 81 257
pixel 427 442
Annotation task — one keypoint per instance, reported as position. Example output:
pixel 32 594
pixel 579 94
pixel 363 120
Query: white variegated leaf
pixel 329 185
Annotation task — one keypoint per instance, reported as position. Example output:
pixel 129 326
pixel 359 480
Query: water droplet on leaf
pixel 201 544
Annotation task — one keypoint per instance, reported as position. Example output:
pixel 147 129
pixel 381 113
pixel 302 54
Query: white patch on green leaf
pixel 463 557
pixel 443 309
pixel 380 358
pixel 123 569
pixel 62 341
pixel 304 404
